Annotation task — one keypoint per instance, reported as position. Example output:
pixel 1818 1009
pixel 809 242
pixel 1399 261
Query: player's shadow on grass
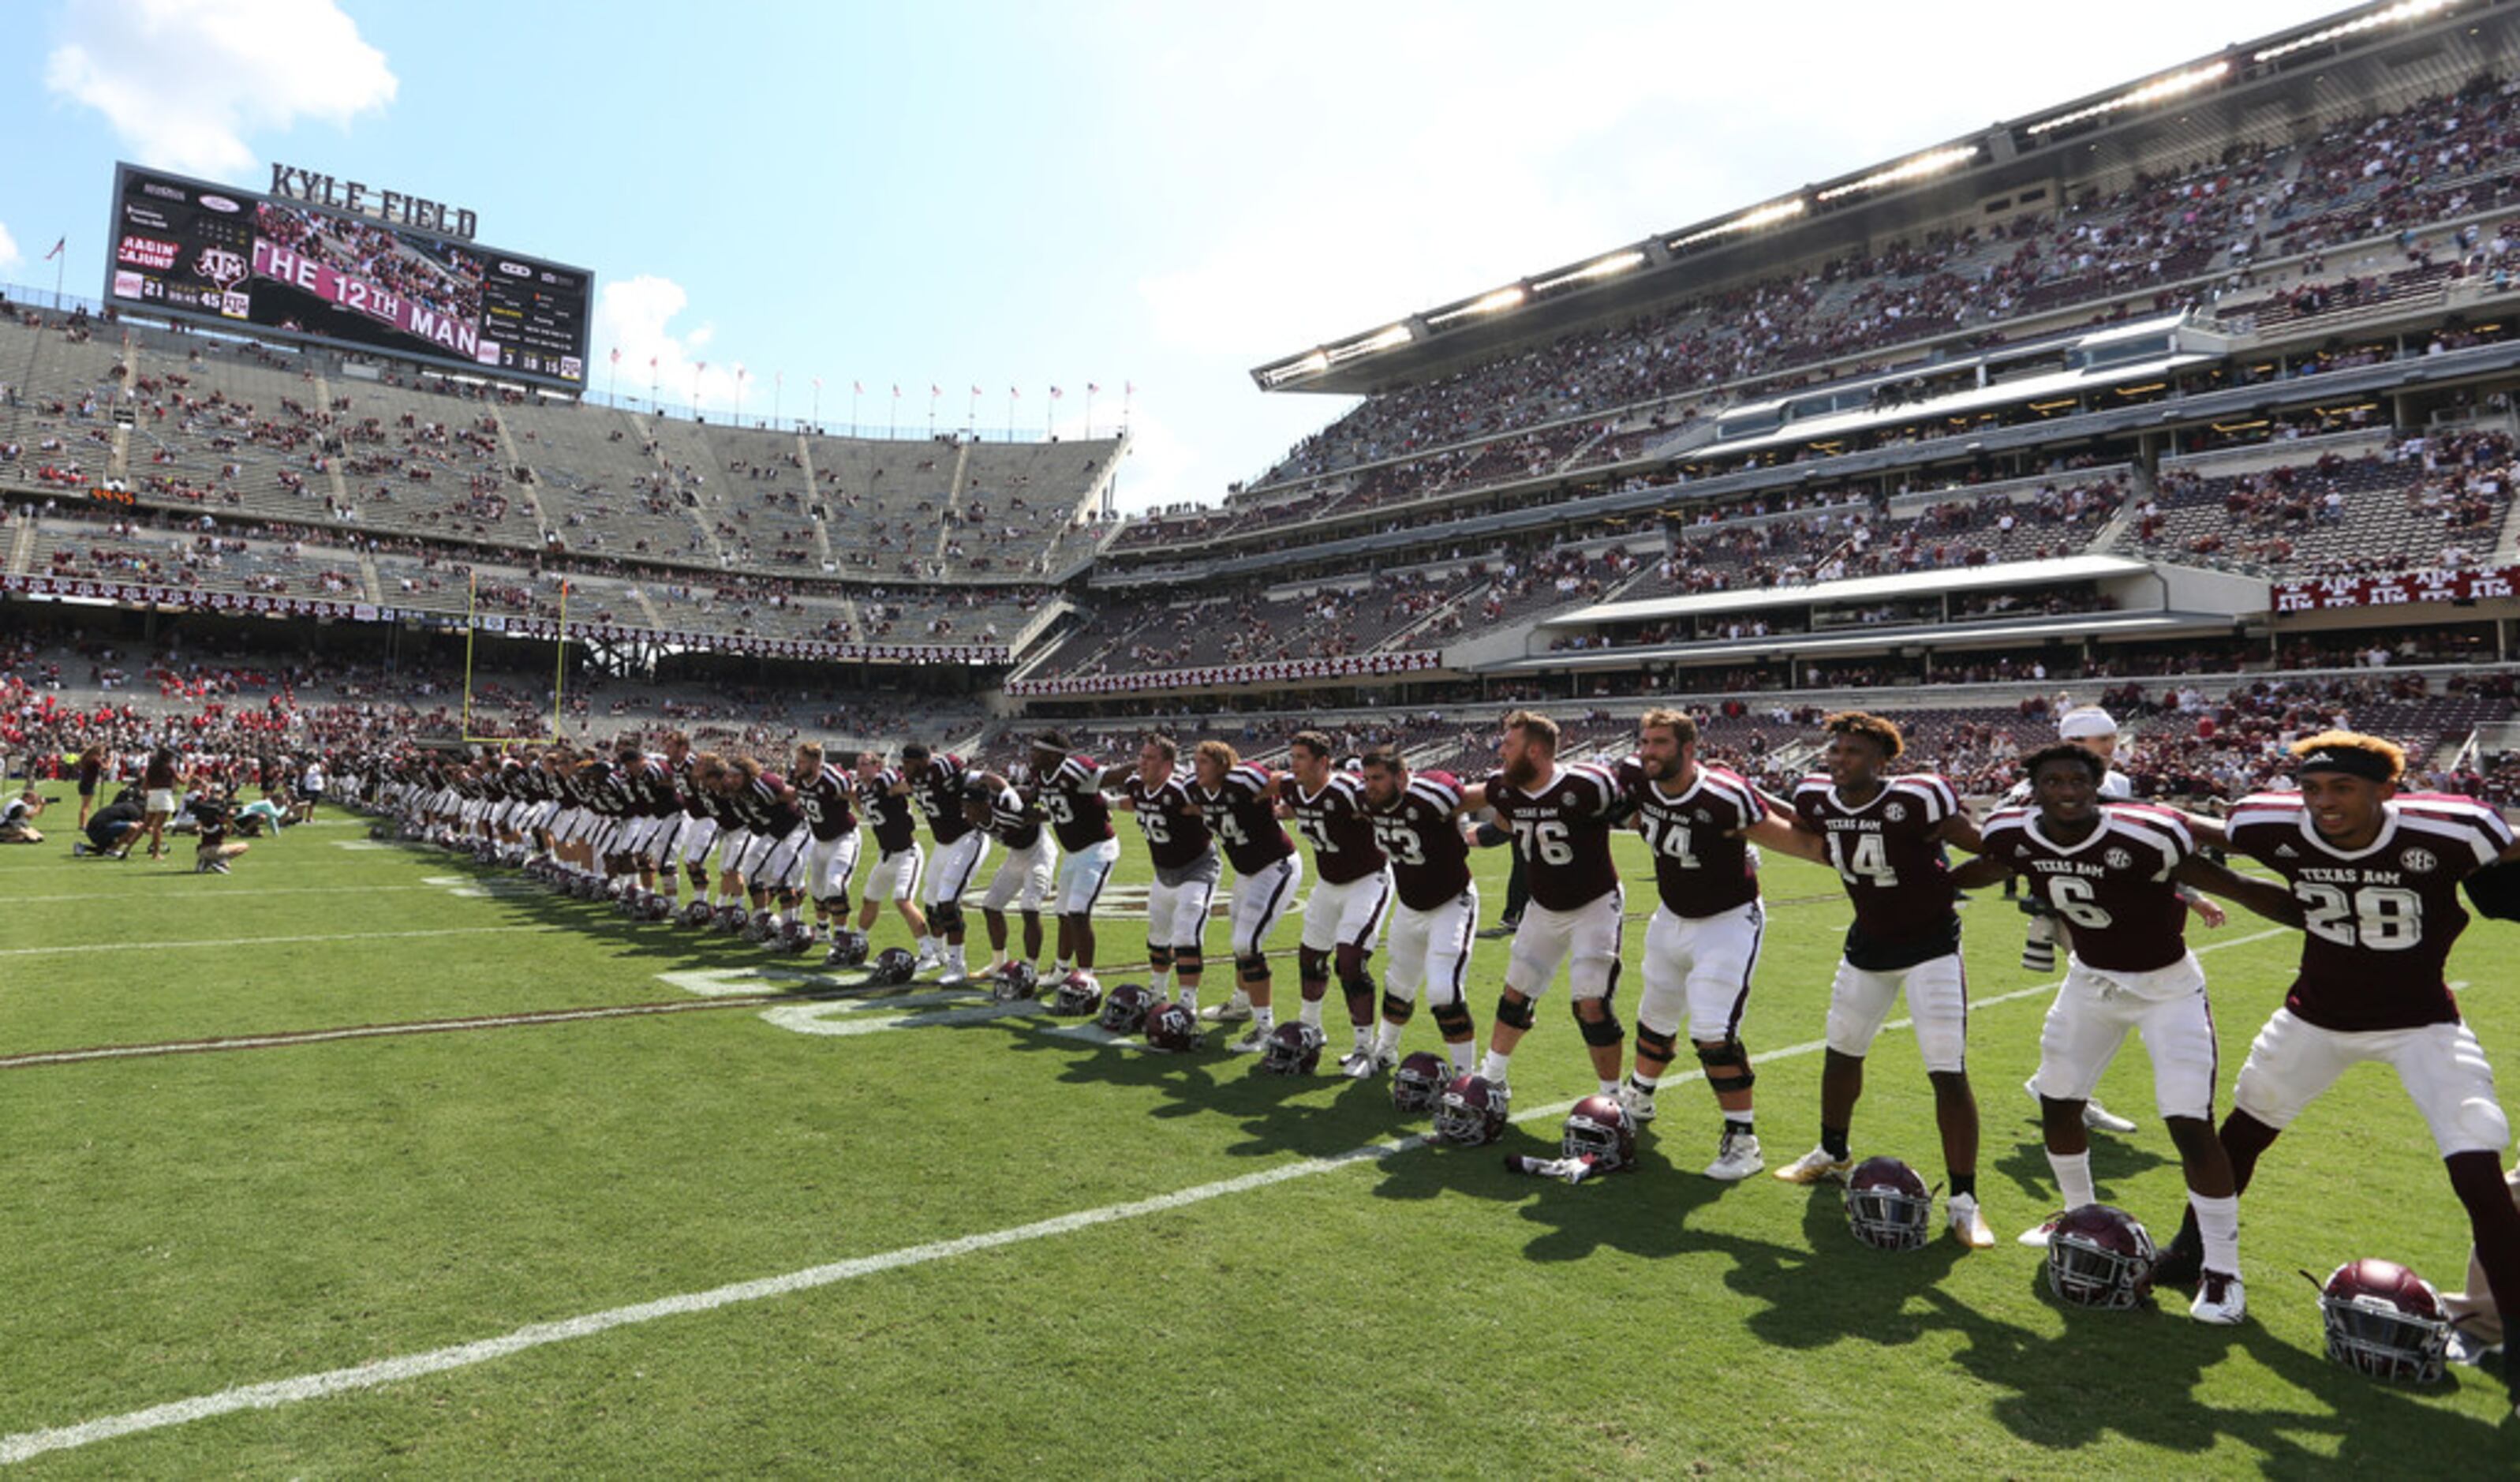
pixel 2133 1374
pixel 2115 1161
pixel 1642 1210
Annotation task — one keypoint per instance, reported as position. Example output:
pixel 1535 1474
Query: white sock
pixel 1160 983
pixel 2073 1178
pixel 1311 1013
pixel 927 946
pixel 2217 1224
pixel 1386 1037
pixel 1460 1055
pixel 1061 970
pixel 1263 1019
pixel 1609 1087
pixel 1364 1037
pixel 996 959
pixel 1742 1116
pixel 1495 1066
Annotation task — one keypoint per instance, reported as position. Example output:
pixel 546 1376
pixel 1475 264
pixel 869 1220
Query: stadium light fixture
pixel 1933 163
pixel 1375 343
pixel 1486 303
pixel 2405 10
pixel 1749 220
pixel 2154 91
pixel 1598 267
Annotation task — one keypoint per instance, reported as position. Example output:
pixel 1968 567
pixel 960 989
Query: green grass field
pixel 1259 1278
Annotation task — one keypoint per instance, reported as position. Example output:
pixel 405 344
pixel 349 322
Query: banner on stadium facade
pixel 192 599
pixel 1275 672
pixel 2332 592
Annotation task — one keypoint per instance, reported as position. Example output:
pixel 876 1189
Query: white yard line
pixel 271 941
pixel 274 1393
pixel 227 895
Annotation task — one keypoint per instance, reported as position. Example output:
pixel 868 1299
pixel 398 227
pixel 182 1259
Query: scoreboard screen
pixel 213 255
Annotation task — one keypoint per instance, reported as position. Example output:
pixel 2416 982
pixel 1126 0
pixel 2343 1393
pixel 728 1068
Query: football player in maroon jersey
pixel 1885 838
pixel 883 798
pixel 1351 887
pixel 1418 819
pixel 1024 871
pixel 1237 801
pixel 2376 873
pixel 2113 872
pixel 1186 870
pixel 1069 793
pixel 1561 819
pixel 1702 945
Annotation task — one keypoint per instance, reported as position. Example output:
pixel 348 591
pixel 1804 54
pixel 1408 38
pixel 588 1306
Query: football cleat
pixel 2096 1116
pixel 1967 1225
pixel 2383 1321
pixel 1367 1064
pixel 926 963
pixel 1173 1028
pixel 1234 1010
pixel 848 949
pixel 1816 1165
pixel 1125 1010
pixel 2036 1237
pixel 1471 1112
pixel 1887 1205
pixel 1639 1101
pixel 1737 1157
pixel 1419 1081
pixel 1600 1129
pixel 2220 1301
pixel 1292 1050
pixel 1253 1040
pixel 2099 1256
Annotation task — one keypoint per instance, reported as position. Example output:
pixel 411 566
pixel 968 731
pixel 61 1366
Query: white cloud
pixel 635 316
pixel 185 81
pixel 9 256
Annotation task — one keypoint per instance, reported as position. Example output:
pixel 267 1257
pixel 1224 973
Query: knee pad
pixel 1313 967
pixel 945 918
pixel 1509 1012
pixel 1397 1010
pixel 1606 1030
pixel 1653 1042
pixel 1453 1019
pixel 1727 1065
pixel 1250 967
pixel 1188 960
pixel 1359 990
pixel 1160 957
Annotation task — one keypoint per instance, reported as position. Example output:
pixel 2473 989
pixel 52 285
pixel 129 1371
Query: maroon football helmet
pixel 2384 1320
pixel 1888 1206
pixel 1172 1028
pixel 1601 1129
pixel 2099 1256
pixel 1471 1113
pixel 1125 1008
pixel 1292 1050
pixel 1419 1084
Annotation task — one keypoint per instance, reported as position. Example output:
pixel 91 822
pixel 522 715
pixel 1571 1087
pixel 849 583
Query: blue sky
pixel 1004 195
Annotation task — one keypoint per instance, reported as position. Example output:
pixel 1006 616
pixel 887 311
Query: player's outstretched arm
pixel 1978 874
pixel 2264 897
pixel 1787 835
pixel 1960 830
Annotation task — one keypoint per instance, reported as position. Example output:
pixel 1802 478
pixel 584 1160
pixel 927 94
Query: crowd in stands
pixel 2427 502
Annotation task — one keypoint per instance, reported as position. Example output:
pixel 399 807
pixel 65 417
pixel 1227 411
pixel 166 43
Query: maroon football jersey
pixel 1562 832
pixel 1430 860
pixel 1702 863
pixel 1333 822
pixel 1892 863
pixel 2114 888
pixel 1177 835
pixel 937 791
pixel 1242 815
pixel 825 801
pixel 2380 920
pixel 1073 798
pixel 887 812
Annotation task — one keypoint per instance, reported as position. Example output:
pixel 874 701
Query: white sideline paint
pixel 274 1393
pixel 229 895
pixel 273 941
pixel 360 843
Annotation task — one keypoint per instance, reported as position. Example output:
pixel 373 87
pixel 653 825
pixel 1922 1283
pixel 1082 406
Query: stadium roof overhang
pixel 2010 573
pixel 2101 627
pixel 2324 68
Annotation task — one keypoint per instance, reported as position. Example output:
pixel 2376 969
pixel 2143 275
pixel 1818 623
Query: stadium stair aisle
pixel 821 527
pixel 508 445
